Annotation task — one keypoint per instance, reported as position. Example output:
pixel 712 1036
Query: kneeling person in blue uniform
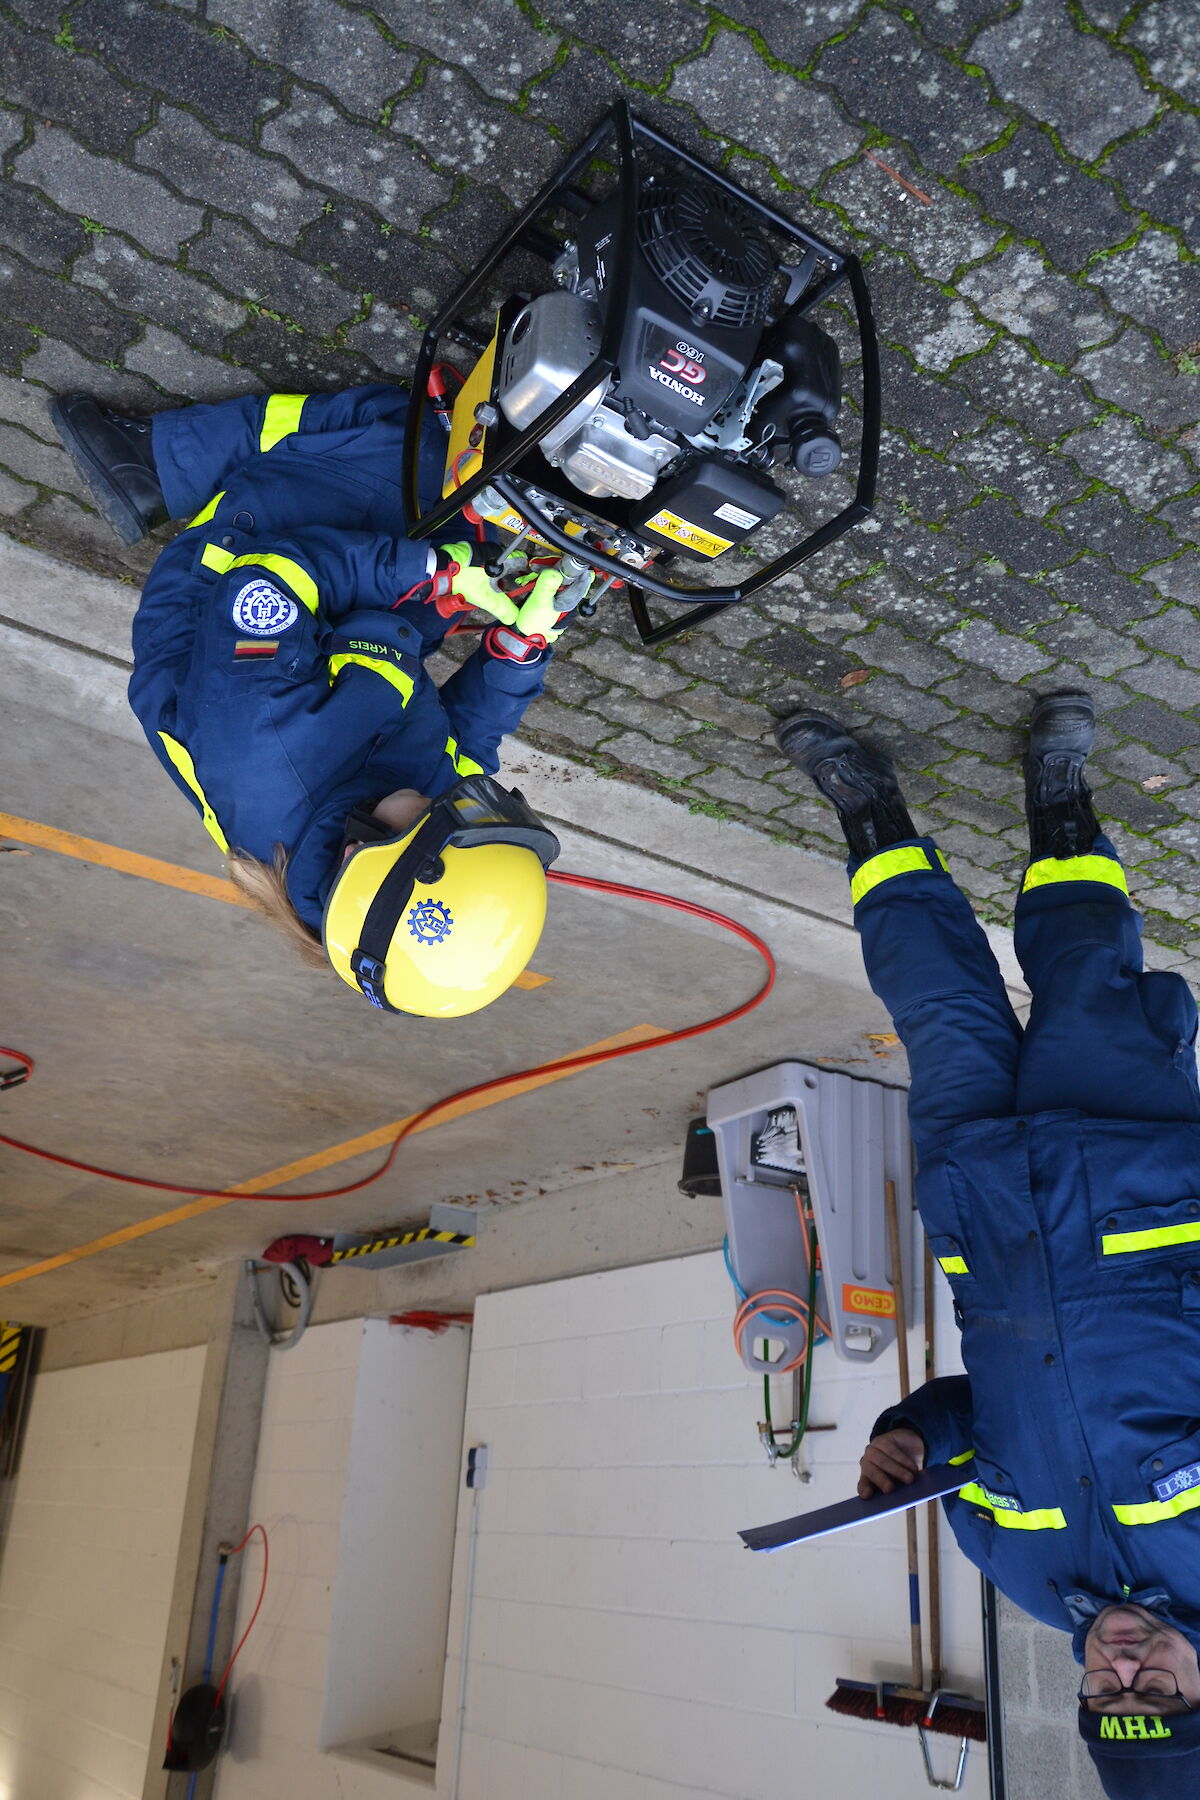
pixel 1059 1183
pixel 279 677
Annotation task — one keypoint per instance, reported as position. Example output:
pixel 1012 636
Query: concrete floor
pixel 176 1038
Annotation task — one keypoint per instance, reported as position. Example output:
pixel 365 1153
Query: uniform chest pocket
pixel 947 1204
pixel 1170 1480
pixel 1130 1237
pixel 993 1497
pixel 258 628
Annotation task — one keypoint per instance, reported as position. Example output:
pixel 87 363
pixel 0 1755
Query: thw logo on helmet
pixel 429 921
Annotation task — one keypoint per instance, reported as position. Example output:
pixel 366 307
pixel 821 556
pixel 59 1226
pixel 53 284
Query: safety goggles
pixel 477 810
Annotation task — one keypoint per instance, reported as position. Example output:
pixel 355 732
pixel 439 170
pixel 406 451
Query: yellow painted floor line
pixel 321 1159
pixel 111 856
pixel 149 868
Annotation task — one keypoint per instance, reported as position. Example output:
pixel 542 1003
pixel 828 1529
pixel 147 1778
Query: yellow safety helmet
pixel 442 919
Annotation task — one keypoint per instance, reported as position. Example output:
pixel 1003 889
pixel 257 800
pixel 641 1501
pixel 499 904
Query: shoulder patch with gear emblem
pixel 262 610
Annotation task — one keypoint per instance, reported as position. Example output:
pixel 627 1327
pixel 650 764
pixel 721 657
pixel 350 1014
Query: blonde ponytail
pixel 265 887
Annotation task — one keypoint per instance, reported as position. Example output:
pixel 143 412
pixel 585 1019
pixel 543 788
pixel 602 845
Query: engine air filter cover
pixel 713 504
pixel 707 251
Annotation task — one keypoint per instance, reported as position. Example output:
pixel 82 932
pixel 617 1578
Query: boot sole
pixel 119 512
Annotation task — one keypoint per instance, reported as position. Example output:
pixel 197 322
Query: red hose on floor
pixel 591 1058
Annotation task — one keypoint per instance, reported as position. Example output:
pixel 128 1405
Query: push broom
pixel 955 1715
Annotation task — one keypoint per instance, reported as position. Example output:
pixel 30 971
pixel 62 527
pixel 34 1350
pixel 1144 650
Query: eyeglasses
pixel 1151 1684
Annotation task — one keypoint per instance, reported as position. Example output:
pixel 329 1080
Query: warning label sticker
pixel 736 515
pixel 669 524
pixel 880 1301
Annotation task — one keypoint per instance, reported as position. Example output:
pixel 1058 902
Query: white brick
pixel 518 1772
pixel 623 1363
pixel 478 1762
pixel 644 1423
pixel 682 1352
pixel 550 1370
pixel 493 1374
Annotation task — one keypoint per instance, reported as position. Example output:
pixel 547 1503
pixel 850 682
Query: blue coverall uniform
pixel 1059 1182
pixel 275 675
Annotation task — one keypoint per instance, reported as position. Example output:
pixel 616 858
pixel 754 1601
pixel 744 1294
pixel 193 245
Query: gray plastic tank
pixel 853 1136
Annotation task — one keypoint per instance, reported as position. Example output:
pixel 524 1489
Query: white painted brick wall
pixel 86 1576
pixel 623 1644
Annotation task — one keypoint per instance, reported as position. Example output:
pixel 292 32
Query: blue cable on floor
pixel 208 1655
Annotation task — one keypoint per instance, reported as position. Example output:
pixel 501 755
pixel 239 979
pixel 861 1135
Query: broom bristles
pixel 954 1716
pixel 958 1716
pixel 856 1700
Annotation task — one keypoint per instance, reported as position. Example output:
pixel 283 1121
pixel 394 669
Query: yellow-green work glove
pixel 538 624
pixel 539 616
pixel 460 580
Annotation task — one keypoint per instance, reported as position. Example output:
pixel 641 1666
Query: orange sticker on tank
pixel 868 1300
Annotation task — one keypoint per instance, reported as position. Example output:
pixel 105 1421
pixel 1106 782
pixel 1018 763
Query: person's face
pixel 1128 1638
pixel 399 811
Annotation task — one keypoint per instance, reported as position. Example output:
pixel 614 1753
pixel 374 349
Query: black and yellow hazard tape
pixel 399 1242
pixel 10 1345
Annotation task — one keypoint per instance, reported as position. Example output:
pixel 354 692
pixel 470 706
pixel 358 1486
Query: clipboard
pixel 930 1484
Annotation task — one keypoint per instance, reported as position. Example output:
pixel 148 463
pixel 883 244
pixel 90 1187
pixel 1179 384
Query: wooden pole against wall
pixel 931 1513
pixel 910 1517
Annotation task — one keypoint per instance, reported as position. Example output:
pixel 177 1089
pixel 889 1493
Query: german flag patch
pixel 255 647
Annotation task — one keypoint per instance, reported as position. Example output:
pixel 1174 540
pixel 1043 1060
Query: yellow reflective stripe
pixel 964 1456
pixel 1151 1511
pixel 298 579
pixel 281 418
pixel 213 557
pixel 883 867
pixel 1046 1518
pixel 954 1265
pixel 187 769
pixel 1120 1243
pixel 464 765
pixel 1075 868
pixel 404 684
pixel 206 512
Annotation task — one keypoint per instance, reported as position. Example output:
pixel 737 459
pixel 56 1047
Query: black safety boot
pixel 861 782
pixel 1058 800
pixel 114 456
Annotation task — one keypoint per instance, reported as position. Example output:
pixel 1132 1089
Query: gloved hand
pixel 539 615
pixel 461 581
pixel 536 625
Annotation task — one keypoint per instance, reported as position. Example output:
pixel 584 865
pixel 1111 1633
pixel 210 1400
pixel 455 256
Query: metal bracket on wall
pixel 450 1228
pixel 302 1278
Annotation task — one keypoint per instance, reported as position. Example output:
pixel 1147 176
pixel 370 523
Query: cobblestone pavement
pixel 236 194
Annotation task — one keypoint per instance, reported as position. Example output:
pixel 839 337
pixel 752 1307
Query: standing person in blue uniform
pixel 1059 1183
pixel 278 675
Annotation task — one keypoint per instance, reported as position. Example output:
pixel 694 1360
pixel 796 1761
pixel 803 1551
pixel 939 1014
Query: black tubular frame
pixel 498 468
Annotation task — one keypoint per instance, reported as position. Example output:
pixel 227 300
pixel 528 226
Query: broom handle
pixel 910 1517
pixel 931 1511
